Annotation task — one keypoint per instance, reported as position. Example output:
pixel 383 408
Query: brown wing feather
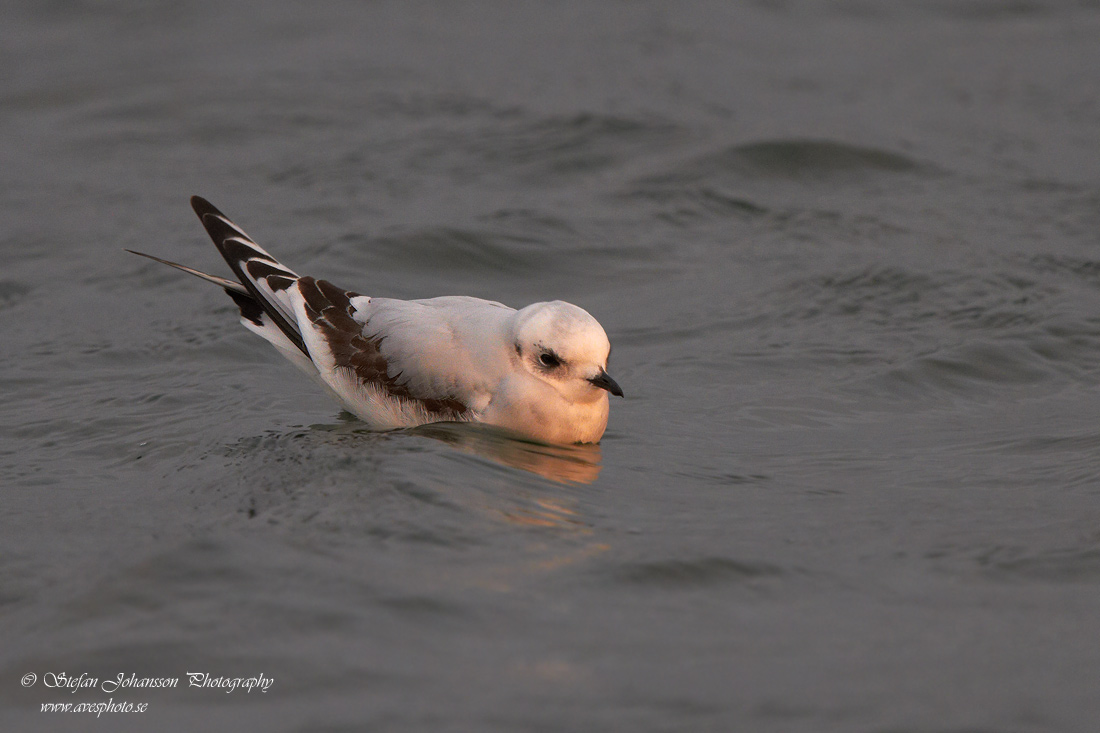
pixel 330 311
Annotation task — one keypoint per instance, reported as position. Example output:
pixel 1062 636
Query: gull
pixel 540 372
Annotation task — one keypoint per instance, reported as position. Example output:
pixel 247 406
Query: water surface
pixel 847 254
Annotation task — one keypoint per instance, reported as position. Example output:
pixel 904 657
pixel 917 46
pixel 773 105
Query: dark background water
pixel 849 257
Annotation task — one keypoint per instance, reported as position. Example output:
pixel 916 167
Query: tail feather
pixel 230 285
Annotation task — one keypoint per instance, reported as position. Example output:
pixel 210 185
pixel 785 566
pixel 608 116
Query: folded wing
pixel 348 353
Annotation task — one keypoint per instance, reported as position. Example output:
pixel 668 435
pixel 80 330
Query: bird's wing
pixel 265 279
pixel 394 363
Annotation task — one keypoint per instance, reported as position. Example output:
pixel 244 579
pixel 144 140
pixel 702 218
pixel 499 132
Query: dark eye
pixel 549 360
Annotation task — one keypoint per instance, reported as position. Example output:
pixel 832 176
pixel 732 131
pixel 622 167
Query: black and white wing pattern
pixel 266 280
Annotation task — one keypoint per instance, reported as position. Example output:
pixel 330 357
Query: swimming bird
pixel 540 371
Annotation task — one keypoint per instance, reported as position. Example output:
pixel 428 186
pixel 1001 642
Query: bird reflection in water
pixel 577 464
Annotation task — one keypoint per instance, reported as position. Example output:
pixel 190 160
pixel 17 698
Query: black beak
pixel 603 380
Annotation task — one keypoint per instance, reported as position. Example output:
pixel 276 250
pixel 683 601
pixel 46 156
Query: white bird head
pixel 566 347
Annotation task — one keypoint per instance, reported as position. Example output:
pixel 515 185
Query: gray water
pixel 848 255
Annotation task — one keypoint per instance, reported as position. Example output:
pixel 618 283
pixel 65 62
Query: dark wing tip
pixel 222 230
pixel 203 207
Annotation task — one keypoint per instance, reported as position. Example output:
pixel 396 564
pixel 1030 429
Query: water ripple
pixel 696 573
